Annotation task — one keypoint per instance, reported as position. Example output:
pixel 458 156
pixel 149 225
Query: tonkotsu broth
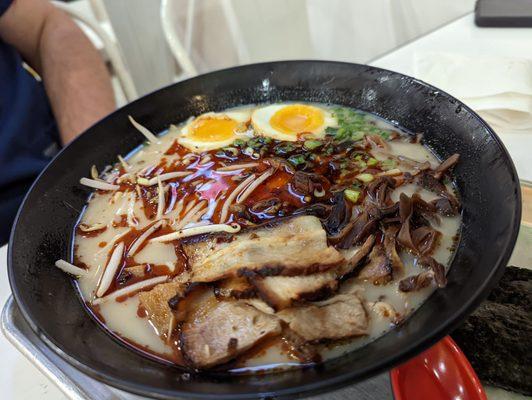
pixel 125 217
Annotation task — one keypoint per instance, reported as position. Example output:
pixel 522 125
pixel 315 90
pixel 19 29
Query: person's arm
pixel 75 78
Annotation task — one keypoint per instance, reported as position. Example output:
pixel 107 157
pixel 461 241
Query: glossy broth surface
pixel 125 214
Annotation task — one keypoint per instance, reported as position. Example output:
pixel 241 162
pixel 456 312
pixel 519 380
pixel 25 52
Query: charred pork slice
pixel 224 331
pixel 297 246
pixel 155 302
pixel 342 316
pixel 237 288
pixel 136 271
pixel 299 348
pixel 283 291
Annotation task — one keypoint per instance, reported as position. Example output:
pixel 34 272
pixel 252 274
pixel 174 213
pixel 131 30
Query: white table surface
pixel 20 380
pixel 464 38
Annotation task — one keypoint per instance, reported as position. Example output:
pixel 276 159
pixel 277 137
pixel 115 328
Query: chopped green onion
pixel 384 134
pixel 366 178
pixel 248 151
pixel 297 159
pixel 353 125
pixel 355 136
pixel 352 195
pixel 388 164
pixel 361 164
pixel 255 143
pixel 284 148
pixel 343 135
pixel 331 131
pixel 265 140
pixel 239 143
pixel 372 162
pixel 312 144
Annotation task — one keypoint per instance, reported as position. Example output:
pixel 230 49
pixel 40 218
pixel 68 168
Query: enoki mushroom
pixel 197 230
pixel 70 268
pixel 245 194
pixel 98 184
pixel 110 270
pixel 131 289
pixel 142 238
pixel 145 131
pixel 232 196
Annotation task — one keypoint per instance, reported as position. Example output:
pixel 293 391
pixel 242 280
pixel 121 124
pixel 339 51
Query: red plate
pixel 440 373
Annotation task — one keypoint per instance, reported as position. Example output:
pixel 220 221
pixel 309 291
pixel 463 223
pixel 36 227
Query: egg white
pixel 185 138
pixel 239 115
pixel 260 120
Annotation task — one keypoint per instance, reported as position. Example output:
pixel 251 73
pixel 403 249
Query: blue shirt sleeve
pixel 27 125
pixel 4 5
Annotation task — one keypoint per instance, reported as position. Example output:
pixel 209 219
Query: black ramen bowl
pixel 485 178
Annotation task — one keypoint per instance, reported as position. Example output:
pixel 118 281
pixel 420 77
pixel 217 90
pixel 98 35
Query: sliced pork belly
pixel 299 348
pixel 226 330
pixel 155 302
pixel 284 291
pixel 237 288
pixel 342 316
pixel 137 271
pixel 297 246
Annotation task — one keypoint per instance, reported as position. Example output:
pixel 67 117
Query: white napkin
pixel 499 89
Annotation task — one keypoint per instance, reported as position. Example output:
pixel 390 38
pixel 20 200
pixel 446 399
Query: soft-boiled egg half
pixel 213 130
pixel 292 121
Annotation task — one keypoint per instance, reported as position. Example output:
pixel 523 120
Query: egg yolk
pixel 213 129
pixel 297 118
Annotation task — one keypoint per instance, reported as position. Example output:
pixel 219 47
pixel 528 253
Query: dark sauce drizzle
pixel 305 173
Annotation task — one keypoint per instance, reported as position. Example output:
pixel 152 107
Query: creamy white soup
pixel 265 237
